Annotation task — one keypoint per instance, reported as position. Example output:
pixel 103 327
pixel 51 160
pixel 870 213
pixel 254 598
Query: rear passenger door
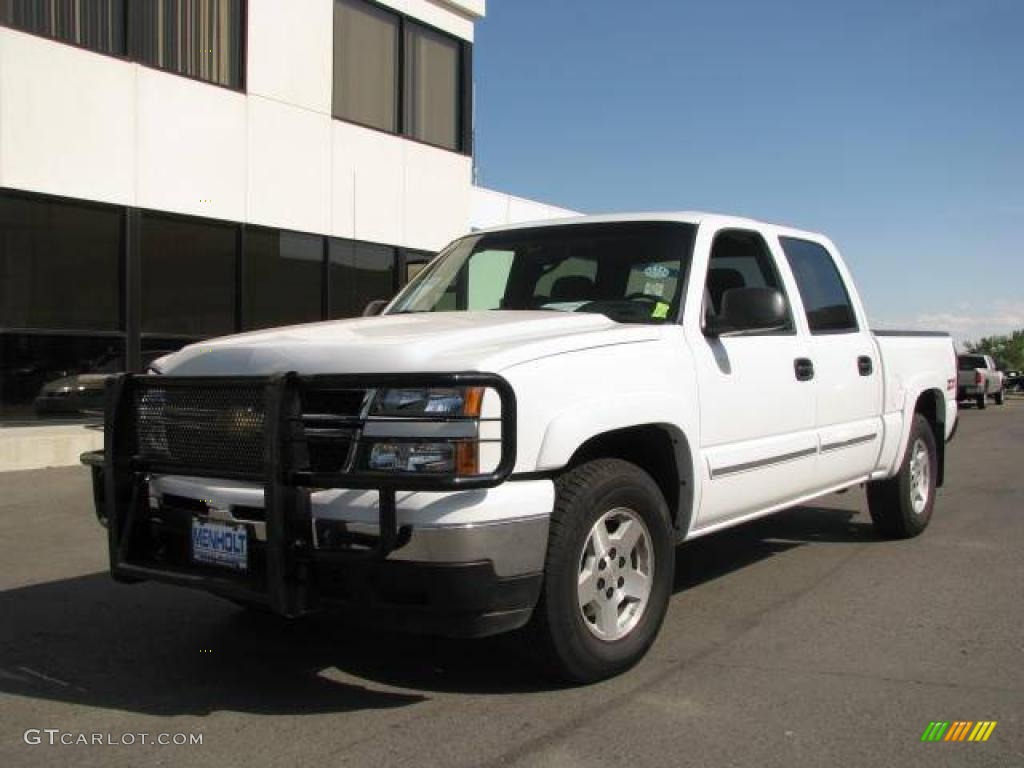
pixel 757 431
pixel 848 416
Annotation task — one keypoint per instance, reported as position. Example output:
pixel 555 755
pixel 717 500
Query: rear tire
pixel 982 402
pixel 601 608
pixel 901 506
pixel 999 397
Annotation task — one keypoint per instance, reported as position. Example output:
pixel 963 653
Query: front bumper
pixel 458 554
pixel 471 564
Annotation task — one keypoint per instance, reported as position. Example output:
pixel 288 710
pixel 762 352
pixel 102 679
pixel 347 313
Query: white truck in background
pixel 526 432
pixel 978 379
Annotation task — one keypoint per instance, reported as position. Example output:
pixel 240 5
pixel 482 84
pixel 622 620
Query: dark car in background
pixel 81 394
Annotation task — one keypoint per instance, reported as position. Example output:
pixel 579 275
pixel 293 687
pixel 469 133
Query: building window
pixel 94 24
pixel 197 38
pixel 826 302
pixel 431 86
pixel 56 376
pixel 59 264
pixel 383 60
pixel 359 273
pixel 366 65
pixel 282 278
pixel 188 276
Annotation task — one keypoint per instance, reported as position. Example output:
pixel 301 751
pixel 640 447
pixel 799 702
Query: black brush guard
pixel 122 469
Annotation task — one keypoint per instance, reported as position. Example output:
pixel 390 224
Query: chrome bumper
pixel 506 525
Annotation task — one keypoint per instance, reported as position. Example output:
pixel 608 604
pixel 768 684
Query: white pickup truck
pixel 526 432
pixel 978 379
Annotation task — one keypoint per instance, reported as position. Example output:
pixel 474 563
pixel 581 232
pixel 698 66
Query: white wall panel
pixel 66 120
pixel 442 16
pixel 487 208
pixel 289 51
pixel 437 185
pixel 494 209
pixel 368 184
pixel 191 154
pixel 289 179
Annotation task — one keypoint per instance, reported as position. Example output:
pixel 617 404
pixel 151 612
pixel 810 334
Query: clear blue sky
pixel 896 127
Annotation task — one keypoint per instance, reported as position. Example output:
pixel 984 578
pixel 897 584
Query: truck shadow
pixel 162 651
pixel 718 554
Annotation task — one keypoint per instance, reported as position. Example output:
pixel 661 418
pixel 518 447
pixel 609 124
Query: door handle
pixel 865 366
pixel 803 368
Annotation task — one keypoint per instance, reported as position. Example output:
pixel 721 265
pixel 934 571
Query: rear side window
pixel 970 362
pixel 826 302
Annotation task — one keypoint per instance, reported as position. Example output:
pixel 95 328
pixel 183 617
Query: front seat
pixel 572 288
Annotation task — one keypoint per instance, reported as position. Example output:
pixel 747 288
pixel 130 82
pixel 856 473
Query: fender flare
pixel 573 428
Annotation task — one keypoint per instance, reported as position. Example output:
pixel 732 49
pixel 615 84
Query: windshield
pixel 633 272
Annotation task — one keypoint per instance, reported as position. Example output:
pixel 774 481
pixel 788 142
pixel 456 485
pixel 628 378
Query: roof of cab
pixel 687 217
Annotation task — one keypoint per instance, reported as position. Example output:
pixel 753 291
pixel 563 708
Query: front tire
pixel 901 506
pixel 608 574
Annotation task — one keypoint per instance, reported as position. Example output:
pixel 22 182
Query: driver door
pixel 757 405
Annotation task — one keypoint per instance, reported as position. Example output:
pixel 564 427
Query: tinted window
pixel 282 278
pixel 431 86
pixel 397 75
pixel 59 265
pixel 970 362
pixel 359 274
pixel 39 378
pixel 826 302
pixel 94 24
pixel 188 276
pixel 198 38
pixel 739 259
pixel 366 64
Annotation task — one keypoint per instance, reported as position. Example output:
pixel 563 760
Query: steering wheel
pixel 643 296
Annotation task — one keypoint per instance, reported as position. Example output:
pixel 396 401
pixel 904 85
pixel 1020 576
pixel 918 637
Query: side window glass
pixel 488 277
pixel 826 301
pixel 739 259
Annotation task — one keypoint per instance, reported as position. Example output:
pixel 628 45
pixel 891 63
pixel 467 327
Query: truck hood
pixel 421 342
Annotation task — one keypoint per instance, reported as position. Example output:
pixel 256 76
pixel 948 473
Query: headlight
pixel 439 436
pixel 413 457
pixel 443 402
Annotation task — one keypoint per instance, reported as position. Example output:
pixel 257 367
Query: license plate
pixel 220 544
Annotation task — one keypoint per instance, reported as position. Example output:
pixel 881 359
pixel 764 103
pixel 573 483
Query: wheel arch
pixel 660 449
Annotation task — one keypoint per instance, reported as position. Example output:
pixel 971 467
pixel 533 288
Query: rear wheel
pixel 901 506
pixel 608 574
pixel 981 401
pixel 999 397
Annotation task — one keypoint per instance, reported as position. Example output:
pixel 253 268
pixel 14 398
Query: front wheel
pixel 901 506
pixel 609 571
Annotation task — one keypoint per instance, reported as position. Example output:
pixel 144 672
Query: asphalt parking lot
pixel 797 640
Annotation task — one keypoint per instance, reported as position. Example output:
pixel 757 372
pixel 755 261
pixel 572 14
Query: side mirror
pixel 749 309
pixel 375 307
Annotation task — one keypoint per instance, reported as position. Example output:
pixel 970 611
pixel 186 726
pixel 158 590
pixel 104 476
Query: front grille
pixel 215 427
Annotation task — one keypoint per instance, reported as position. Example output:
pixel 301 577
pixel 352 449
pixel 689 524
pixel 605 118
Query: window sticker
pixel 660 311
pixel 654 289
pixel 657 271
